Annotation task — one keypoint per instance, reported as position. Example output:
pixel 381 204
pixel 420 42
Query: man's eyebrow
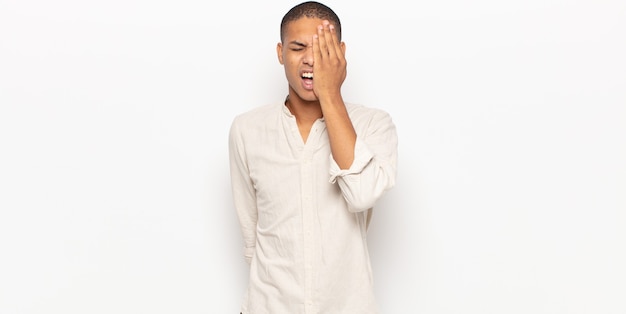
pixel 297 43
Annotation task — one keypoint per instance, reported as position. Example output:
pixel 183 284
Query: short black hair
pixel 310 9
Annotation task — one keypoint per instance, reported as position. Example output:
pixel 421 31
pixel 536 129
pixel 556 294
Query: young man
pixel 306 174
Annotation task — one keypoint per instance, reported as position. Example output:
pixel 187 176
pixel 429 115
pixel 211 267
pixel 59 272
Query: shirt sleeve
pixel 243 191
pixel 373 170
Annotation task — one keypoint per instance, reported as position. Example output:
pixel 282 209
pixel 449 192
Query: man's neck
pixel 306 112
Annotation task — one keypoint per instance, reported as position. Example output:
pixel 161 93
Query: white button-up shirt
pixel 303 219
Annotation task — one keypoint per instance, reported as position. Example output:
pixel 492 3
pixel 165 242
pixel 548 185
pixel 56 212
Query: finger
pixel 322 41
pixel 317 54
pixel 330 43
pixel 336 43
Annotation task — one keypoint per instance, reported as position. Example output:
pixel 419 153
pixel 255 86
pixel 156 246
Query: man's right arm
pixel 244 196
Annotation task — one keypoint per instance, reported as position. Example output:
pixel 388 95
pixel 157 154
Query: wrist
pixel 330 98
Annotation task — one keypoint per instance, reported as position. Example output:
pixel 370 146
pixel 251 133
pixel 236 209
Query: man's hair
pixel 310 9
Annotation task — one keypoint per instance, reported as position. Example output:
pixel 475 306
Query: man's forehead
pixel 301 28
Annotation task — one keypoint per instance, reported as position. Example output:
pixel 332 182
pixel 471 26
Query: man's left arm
pixel 364 166
pixel 329 70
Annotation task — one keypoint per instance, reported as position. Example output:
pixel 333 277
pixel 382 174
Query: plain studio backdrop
pixel 511 190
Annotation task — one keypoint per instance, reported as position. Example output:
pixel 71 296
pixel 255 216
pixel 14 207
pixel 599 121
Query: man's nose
pixel 308 56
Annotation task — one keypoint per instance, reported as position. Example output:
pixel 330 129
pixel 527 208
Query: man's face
pixel 296 55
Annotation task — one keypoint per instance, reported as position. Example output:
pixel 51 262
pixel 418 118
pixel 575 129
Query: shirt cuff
pixel 248 252
pixel 362 157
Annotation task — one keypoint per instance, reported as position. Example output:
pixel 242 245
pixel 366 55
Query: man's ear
pixel 279 52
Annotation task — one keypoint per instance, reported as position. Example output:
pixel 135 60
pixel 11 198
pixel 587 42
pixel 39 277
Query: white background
pixel 114 187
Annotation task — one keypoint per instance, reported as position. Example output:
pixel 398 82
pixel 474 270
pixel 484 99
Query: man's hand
pixel 329 62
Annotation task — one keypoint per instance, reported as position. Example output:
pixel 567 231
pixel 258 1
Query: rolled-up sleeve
pixel 373 170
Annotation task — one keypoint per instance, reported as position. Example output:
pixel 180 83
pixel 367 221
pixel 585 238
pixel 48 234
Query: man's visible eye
pixel 297 49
